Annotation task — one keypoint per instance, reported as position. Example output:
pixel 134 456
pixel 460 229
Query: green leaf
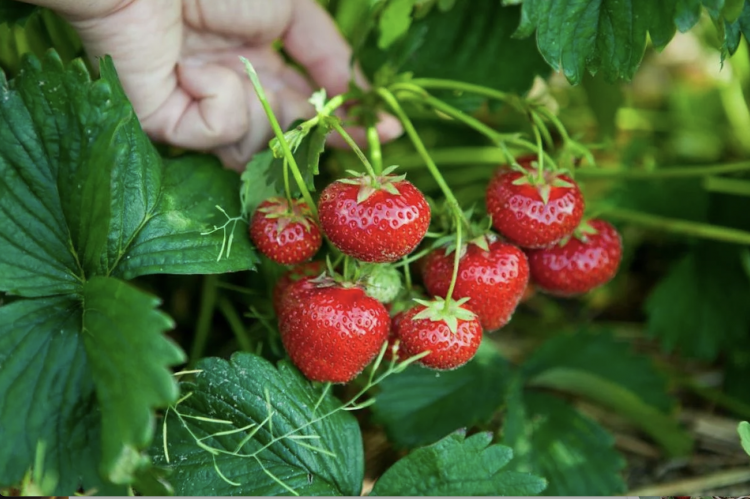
pixel 255 187
pixel 606 35
pixel 475 37
pixel 14 12
pixel 457 465
pixel 129 358
pixel 264 174
pixel 83 192
pixel 553 440
pixel 603 369
pixel 243 392
pixel 84 197
pixel 48 396
pixel 744 430
pixel 421 406
pixel 173 237
pixel 687 14
pixel 394 21
pixel 700 307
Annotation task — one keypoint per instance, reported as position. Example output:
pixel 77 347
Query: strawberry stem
pixel 499 139
pixel 287 190
pixel 456 262
pixel 279 135
pixel 540 155
pixel 391 100
pixel 336 124
pixel 676 226
pixel 461 156
pixel 376 155
pixel 460 86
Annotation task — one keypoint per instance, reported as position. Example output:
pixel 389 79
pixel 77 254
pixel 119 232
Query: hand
pixel 178 61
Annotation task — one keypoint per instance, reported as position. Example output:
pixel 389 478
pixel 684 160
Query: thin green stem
pixel 391 100
pixel 496 137
pixel 550 116
pixel 459 86
pixel 335 103
pixel 205 315
pixel 376 154
pixel 407 274
pixel 280 135
pixel 235 324
pixel 726 185
pixel 538 123
pixel 349 140
pixel 459 156
pixel 287 190
pixel 456 263
pixel 540 153
pixel 683 227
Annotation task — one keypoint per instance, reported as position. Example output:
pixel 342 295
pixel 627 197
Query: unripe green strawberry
pixel 383 282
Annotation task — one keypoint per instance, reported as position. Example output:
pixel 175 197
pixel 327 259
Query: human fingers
pixel 201 112
pixel 288 104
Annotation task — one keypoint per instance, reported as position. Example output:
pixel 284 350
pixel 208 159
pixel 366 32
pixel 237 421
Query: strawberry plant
pixel 483 306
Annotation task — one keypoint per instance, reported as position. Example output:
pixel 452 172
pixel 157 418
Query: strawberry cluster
pixel 333 328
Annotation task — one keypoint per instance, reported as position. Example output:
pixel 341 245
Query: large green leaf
pixel 609 35
pixel 172 238
pixel 470 42
pixel 69 368
pixel 553 440
pixel 603 369
pixel 274 433
pixel 128 358
pixel 457 465
pixel 421 406
pixel 80 183
pixel 84 197
pixel 700 307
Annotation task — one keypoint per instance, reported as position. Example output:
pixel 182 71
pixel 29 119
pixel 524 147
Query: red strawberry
pixel 532 212
pixel 331 331
pixel 493 279
pixel 286 236
pixel 305 270
pixel 452 336
pixel 374 220
pixel 580 264
pixel 392 338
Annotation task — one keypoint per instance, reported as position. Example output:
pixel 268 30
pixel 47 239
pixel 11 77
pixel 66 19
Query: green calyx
pixel 581 233
pixel 284 214
pixel 437 310
pixel 370 184
pixel 543 181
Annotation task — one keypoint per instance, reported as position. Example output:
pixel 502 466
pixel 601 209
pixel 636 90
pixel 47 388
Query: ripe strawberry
pixel 587 260
pixel 452 336
pixel 494 278
pixel 302 271
pixel 285 235
pixel 393 337
pixel 533 212
pixel 374 220
pixel 331 331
